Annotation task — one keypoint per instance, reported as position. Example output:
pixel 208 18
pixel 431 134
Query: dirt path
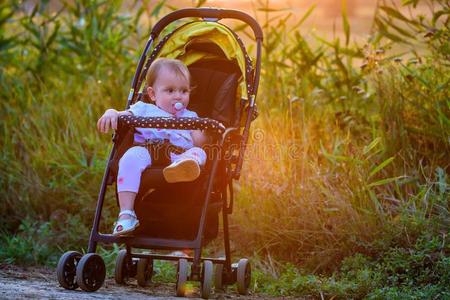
pixel 41 283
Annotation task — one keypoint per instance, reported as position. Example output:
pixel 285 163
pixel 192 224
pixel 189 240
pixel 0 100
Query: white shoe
pixel 182 171
pixel 125 226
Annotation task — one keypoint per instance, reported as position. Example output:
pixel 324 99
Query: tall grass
pixel 62 71
pixel 343 149
pixel 347 167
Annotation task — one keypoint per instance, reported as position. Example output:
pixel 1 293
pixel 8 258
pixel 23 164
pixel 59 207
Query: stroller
pixel 177 216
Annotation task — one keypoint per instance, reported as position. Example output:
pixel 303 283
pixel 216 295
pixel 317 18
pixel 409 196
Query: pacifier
pixel 178 106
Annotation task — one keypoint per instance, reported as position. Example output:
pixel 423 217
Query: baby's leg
pixel 195 153
pixel 131 166
pixel 185 166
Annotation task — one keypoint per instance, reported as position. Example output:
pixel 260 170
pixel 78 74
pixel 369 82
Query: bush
pixel 40 243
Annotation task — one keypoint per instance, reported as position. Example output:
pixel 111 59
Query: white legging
pixel 137 159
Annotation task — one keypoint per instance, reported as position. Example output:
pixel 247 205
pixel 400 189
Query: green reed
pixel 53 92
pixel 356 137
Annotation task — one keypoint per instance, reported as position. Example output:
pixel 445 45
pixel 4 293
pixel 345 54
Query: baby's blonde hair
pixel 173 65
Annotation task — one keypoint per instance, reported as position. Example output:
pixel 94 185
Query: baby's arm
pixel 109 119
pixel 200 138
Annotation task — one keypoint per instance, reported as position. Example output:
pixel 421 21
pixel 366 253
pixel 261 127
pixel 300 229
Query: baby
pixel 168 82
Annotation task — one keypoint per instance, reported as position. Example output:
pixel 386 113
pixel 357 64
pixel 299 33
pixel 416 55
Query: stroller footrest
pixel 146 242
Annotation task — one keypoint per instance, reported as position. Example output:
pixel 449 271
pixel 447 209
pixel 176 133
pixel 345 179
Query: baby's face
pixel 168 89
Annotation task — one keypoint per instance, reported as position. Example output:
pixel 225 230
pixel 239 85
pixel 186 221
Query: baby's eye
pixel 170 90
pixel 185 91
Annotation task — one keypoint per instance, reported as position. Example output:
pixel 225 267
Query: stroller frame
pixel 233 167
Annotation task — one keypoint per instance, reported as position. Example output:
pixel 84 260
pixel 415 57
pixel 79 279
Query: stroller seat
pixel 167 218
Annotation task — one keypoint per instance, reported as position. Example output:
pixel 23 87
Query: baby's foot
pixel 182 171
pixel 126 223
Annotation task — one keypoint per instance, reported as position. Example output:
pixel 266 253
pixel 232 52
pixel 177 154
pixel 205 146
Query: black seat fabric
pixel 174 210
pixel 215 86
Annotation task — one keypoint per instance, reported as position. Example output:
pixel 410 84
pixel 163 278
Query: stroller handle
pixel 186 123
pixel 215 13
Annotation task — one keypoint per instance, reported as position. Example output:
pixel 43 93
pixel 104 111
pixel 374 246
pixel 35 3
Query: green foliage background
pixel 349 196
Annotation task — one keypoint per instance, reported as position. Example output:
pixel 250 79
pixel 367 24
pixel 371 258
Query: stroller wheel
pixel 207 278
pixel 182 276
pixel 144 271
pixel 243 276
pixel 91 272
pixel 66 271
pixel 122 270
pixel 218 278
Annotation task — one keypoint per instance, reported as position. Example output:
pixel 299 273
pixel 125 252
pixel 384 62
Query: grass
pixel 345 187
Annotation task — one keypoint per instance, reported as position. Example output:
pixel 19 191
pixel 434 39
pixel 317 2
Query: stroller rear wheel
pixel 144 271
pixel 91 272
pixel 182 276
pixel 218 278
pixel 66 271
pixel 243 276
pixel 207 278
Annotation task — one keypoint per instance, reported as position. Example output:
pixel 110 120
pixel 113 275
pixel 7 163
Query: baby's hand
pixel 109 119
pixel 199 137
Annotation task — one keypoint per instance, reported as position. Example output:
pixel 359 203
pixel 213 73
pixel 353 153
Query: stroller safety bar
pixel 172 123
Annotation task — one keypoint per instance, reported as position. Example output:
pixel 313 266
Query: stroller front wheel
pixel 144 271
pixel 66 271
pixel 123 269
pixel 91 272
